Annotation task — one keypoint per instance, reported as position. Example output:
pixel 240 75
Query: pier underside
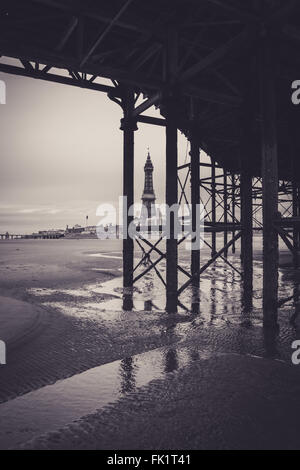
pixel 221 72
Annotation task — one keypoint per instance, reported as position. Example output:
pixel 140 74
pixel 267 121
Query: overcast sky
pixel 61 155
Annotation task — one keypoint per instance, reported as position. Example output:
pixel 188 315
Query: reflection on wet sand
pixel 213 297
pixel 218 300
pixel 270 336
pixel 209 323
pixel 171 360
pixel 127 374
pixel 31 415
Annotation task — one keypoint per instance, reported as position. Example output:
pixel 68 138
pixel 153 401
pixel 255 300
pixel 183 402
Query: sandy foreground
pixel 216 381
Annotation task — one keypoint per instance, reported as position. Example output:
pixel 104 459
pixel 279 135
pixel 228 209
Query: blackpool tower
pixel 148 197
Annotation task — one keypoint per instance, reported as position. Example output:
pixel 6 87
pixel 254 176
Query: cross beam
pixel 40 75
pixel 227 51
pixel 104 33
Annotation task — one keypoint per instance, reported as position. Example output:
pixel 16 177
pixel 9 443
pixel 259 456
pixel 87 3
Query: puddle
pixel 105 270
pixel 54 406
pixel 102 255
pixel 220 293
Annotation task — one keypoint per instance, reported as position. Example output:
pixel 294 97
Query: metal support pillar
pixel 246 187
pixel 213 206
pixel 171 200
pixel 296 213
pixel 269 183
pixel 247 230
pixel 128 126
pixel 225 202
pixel 195 197
pixel 233 208
pixel 171 109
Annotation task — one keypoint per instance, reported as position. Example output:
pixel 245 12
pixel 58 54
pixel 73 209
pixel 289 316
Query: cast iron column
pixel 247 120
pixel 269 182
pixel 225 202
pixel 213 208
pixel 247 228
pixel 128 126
pixel 195 197
pixel 171 110
pixel 233 207
pixel 171 201
pixel 296 213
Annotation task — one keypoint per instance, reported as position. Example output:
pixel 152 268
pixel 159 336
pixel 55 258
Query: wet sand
pixel 51 263
pixel 223 402
pixel 77 284
pixel 18 321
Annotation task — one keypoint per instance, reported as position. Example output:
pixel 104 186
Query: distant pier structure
pixel 221 72
pixel 148 197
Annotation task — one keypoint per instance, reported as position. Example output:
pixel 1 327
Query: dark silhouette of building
pixel 148 196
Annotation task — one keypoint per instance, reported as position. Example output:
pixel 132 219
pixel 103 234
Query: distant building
pixel 90 229
pixel 148 197
pixel 76 229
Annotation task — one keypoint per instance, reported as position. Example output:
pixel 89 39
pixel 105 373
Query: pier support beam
pixel 247 229
pixel 195 198
pixel 171 200
pixel 269 182
pixel 213 207
pixel 247 120
pixel 225 202
pixel 128 126
pixel 233 207
pixel 170 99
pixel 296 213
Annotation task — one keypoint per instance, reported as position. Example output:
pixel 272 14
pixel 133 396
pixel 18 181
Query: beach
pixel 68 294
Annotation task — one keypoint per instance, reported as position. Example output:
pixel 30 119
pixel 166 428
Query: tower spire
pixel 148 197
